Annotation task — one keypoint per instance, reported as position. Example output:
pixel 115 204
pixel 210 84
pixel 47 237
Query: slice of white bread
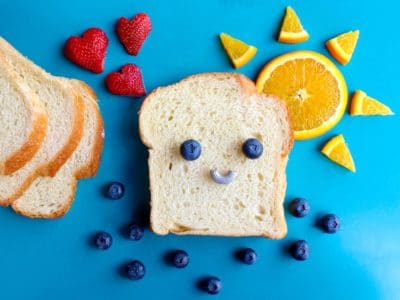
pixel 65 110
pixel 51 197
pixel 221 111
pixel 23 122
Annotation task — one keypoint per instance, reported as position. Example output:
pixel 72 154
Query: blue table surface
pixel 42 259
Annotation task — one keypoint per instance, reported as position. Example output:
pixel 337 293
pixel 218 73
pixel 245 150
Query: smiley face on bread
pixel 217 157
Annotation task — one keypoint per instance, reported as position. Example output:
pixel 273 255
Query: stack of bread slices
pixel 51 135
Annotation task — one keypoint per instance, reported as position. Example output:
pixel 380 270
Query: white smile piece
pixel 222 179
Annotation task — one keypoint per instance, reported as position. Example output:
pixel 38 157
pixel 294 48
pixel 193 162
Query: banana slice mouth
pixel 217 177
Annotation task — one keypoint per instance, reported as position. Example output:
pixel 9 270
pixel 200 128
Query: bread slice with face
pixel 204 178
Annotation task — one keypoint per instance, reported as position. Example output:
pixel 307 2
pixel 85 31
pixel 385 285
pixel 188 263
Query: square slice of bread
pixel 23 122
pixel 221 111
pixel 51 197
pixel 65 111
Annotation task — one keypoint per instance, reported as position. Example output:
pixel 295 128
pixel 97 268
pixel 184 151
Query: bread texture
pixel 23 122
pixel 51 197
pixel 65 110
pixel 221 111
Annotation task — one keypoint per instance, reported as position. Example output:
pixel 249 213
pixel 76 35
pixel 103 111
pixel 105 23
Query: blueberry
pixel 300 250
pixel 252 148
pixel 330 223
pixel 115 190
pixel 190 150
pixel 135 232
pixel 248 256
pixel 299 207
pixel 212 285
pixel 103 240
pixel 135 270
pixel 180 259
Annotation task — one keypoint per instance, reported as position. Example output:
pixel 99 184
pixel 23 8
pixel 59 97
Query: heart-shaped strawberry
pixel 89 50
pixel 133 33
pixel 128 82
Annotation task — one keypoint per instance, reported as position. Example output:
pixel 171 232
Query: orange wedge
pixel 363 105
pixel 337 151
pixel 342 46
pixel 292 31
pixel 239 52
pixel 312 87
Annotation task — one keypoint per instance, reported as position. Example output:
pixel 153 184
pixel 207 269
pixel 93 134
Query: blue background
pixel 42 259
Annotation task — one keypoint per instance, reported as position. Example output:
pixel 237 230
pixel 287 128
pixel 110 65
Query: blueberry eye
pixel 252 148
pixel 191 150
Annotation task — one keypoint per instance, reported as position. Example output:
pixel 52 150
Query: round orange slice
pixel 313 88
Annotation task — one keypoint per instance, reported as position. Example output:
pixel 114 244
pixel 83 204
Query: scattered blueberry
pixel 300 207
pixel 330 223
pixel 300 250
pixel 191 150
pixel 248 256
pixel 252 148
pixel 180 259
pixel 212 285
pixel 135 270
pixel 103 240
pixel 135 232
pixel 115 190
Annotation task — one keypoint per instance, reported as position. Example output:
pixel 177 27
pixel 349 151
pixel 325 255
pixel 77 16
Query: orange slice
pixel 292 31
pixel 337 151
pixel 239 52
pixel 363 105
pixel 342 46
pixel 313 88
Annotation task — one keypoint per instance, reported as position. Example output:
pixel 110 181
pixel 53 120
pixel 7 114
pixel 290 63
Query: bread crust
pixel 91 168
pixel 88 170
pixel 278 212
pixel 249 88
pixel 52 167
pixel 6 201
pixel 290 141
pixel 54 215
pixel 92 165
pixel 24 154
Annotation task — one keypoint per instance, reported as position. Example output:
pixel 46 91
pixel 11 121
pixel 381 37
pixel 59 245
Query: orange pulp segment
pixel 239 52
pixel 292 30
pixel 363 105
pixel 337 151
pixel 342 46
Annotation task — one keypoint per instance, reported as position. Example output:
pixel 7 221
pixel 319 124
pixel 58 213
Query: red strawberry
pixel 89 50
pixel 133 33
pixel 128 82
